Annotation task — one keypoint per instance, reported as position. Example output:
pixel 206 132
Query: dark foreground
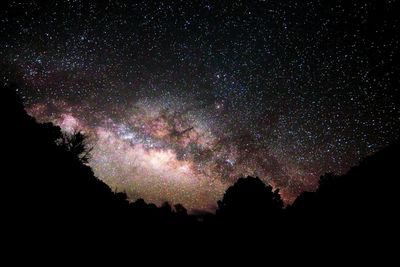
pixel 52 198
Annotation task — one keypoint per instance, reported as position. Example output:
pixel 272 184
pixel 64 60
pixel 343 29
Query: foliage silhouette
pixel 363 199
pixel 47 169
pixel 250 200
pixel 48 181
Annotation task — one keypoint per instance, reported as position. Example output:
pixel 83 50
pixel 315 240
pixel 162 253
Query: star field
pixel 180 98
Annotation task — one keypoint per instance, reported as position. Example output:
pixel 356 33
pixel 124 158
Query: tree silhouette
pixel 250 200
pixel 47 180
pixel 366 194
pixel 48 177
pixel 76 143
pixel 46 169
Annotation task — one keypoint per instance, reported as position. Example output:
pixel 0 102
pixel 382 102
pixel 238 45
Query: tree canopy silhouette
pixel 250 200
pixel 46 177
pixel 367 193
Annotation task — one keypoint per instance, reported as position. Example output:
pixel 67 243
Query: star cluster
pixel 180 98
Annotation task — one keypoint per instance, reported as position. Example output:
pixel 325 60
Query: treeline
pixel 46 181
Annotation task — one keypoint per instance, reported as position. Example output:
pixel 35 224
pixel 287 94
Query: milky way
pixel 180 98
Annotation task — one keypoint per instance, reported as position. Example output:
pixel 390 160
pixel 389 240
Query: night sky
pixel 180 98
